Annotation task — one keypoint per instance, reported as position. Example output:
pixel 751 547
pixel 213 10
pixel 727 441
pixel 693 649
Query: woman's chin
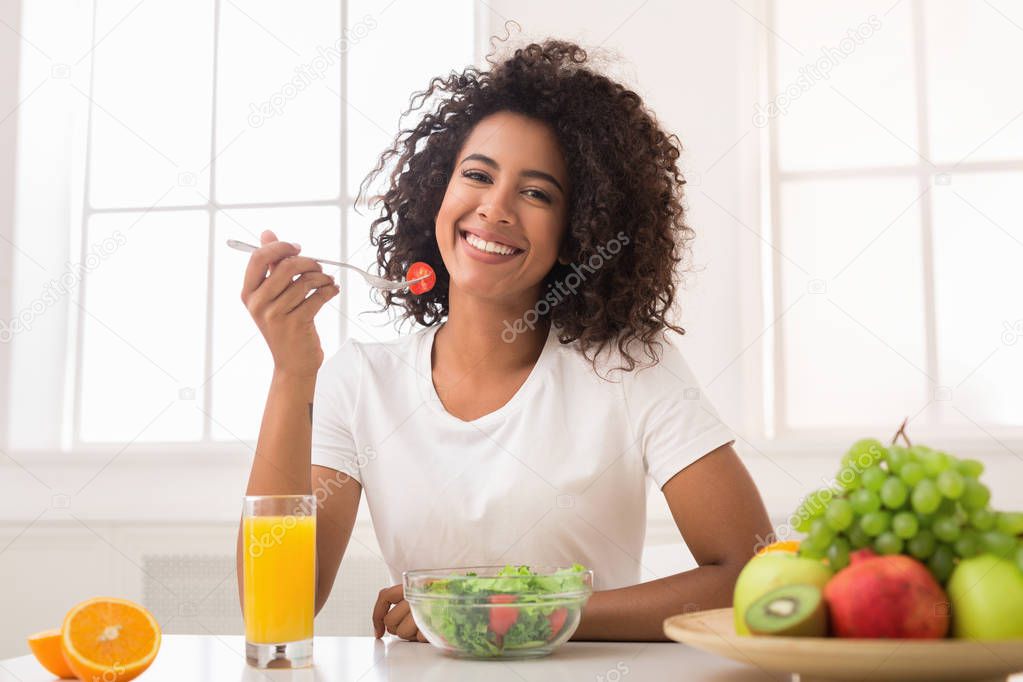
pixel 479 285
pixel 484 285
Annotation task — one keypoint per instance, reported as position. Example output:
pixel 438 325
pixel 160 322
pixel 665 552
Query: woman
pixel 522 423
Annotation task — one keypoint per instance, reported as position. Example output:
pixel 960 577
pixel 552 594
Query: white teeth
pixel 489 247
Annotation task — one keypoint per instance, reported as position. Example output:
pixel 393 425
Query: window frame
pixel 80 225
pixel 777 435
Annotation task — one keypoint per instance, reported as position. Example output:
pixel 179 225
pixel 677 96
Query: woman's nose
pixel 495 207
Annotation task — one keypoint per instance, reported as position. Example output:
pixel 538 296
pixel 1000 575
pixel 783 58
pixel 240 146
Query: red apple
pixel 886 596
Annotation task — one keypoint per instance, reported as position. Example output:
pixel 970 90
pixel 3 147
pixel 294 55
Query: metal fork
pixel 372 280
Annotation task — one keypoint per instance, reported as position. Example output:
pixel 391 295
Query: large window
pixel 215 119
pixel 896 167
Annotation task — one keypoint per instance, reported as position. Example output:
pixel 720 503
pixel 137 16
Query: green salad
pixel 481 620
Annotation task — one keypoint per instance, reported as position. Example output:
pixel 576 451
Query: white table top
pixel 209 658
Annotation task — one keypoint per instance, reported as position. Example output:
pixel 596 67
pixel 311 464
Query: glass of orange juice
pixel 279 581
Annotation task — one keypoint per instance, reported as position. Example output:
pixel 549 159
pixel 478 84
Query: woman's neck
pixel 489 337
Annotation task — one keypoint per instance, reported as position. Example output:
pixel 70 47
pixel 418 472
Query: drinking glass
pixel 279 545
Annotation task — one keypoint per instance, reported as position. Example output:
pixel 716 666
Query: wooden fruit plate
pixel 820 659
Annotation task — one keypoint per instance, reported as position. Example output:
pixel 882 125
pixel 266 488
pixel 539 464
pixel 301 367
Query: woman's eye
pixel 475 175
pixel 483 177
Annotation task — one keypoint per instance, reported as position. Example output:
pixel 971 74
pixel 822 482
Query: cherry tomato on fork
pixel 416 270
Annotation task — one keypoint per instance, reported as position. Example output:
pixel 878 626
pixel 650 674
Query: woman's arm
pixel 281 465
pixel 283 308
pixel 720 514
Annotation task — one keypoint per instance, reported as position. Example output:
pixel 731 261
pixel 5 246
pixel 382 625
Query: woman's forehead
pixel 516 143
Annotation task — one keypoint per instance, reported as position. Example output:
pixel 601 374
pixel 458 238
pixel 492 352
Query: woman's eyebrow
pixel 526 173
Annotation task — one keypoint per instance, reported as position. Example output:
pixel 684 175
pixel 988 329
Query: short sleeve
pixel 674 421
pixel 335 399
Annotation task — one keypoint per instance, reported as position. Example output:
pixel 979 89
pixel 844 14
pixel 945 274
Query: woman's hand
pixel 398 621
pixel 279 305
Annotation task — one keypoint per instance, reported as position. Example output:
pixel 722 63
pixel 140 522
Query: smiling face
pixel 503 217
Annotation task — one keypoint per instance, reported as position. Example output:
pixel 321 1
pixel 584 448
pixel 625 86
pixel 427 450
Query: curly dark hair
pixel 622 171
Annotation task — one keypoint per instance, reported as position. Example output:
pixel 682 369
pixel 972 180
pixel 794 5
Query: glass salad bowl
pixel 498 611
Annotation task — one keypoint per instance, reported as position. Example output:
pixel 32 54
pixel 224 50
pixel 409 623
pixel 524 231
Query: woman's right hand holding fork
pixel 282 306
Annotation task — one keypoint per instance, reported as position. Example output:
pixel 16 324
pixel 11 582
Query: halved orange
pixel 109 639
pixel 45 647
pixel 781 546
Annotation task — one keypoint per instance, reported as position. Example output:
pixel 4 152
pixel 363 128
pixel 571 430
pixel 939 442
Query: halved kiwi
pixel 789 611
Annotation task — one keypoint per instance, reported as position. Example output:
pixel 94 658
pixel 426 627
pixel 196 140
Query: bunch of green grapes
pixel 907 500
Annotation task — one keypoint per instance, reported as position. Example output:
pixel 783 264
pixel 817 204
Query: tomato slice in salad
pixel 417 270
pixel 502 617
pixel 557 620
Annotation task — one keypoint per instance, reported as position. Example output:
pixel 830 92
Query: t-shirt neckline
pixel 425 370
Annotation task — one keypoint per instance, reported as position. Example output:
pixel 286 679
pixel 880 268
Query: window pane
pixel 853 340
pixel 146 144
pixel 844 85
pixel 242 364
pixel 278 112
pixel 978 245
pixel 974 50
pixel 144 333
pixel 396 48
pixel 364 320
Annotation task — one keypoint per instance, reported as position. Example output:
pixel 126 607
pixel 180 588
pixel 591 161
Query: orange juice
pixel 279 578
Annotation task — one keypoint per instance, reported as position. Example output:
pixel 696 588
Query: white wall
pixel 9 66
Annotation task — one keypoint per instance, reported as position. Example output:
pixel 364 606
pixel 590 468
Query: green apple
pixel 768 571
pixel 987 598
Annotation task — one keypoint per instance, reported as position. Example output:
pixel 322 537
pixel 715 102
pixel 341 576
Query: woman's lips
pixel 489 236
pixel 485 256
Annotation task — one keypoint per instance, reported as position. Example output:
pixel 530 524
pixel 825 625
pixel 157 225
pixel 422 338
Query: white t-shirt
pixel 557 475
